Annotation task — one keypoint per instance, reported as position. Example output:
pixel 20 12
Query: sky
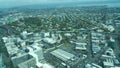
pixel 13 3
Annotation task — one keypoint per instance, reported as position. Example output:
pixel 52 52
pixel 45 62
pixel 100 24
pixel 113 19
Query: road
pixel 1 61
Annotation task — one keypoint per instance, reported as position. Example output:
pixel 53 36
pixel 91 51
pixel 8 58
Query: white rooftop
pixel 63 55
pixel 49 40
pixel 41 65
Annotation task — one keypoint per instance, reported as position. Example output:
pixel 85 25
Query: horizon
pixel 16 3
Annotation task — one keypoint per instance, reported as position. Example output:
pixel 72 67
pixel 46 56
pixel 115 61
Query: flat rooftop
pixel 63 55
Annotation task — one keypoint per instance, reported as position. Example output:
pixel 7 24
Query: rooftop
pixel 63 55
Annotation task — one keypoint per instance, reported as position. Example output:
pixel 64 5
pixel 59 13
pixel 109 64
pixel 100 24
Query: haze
pixel 13 3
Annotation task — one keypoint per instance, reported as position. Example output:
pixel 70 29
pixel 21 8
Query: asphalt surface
pixel 0 61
